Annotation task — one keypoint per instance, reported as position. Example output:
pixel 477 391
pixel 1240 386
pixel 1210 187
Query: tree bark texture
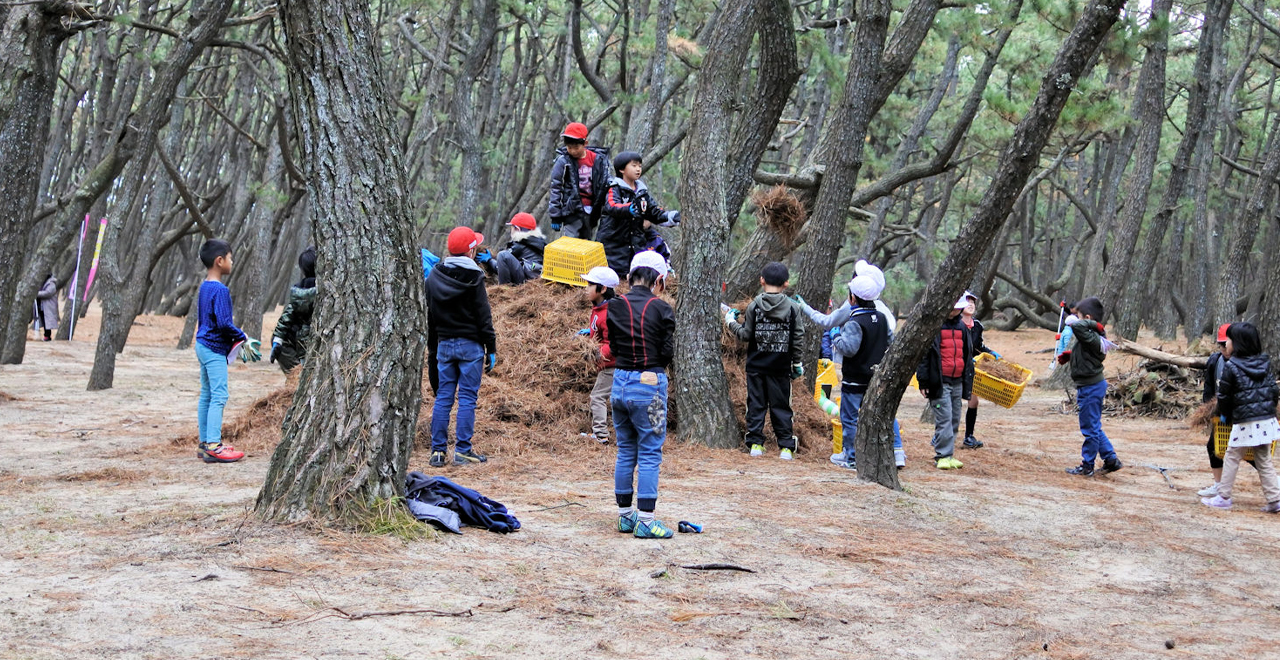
pixel 701 397
pixel 1235 262
pixel 31 39
pixel 347 437
pixel 1149 115
pixel 1020 157
pixel 874 70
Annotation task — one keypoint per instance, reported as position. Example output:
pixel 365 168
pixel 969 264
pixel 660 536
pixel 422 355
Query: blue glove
pixel 800 299
pixel 1222 419
pixel 637 208
pixel 555 226
pixel 731 316
pixel 583 332
pixel 483 255
pixel 996 355
pixel 490 361
pixel 797 371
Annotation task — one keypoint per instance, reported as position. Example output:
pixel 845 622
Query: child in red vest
pixel 599 292
pixel 946 379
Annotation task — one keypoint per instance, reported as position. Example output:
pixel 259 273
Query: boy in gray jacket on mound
pixel 773 329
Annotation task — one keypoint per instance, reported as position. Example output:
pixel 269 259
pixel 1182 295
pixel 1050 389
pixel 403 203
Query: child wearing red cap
pixel 1212 374
pixel 461 344
pixel 522 260
pixel 579 179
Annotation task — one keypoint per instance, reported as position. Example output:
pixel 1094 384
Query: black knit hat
pixel 623 159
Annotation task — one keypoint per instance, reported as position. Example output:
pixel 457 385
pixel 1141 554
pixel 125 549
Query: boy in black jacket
pixel 946 379
pixel 775 333
pixel 293 330
pixel 460 343
pixel 627 205
pixel 522 260
pixel 579 179
pixel 1091 387
pixel 642 340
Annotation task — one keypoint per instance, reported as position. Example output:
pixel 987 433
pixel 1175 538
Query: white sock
pixel 624 512
pixel 646 516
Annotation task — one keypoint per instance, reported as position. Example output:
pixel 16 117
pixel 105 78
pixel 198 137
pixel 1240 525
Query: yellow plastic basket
pixel 1222 437
pixel 565 259
pixel 997 390
pixel 837 436
pixel 827 382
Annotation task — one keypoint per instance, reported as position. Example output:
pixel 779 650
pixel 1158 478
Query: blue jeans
pixel 850 404
pixel 460 363
pixel 213 393
pixel 640 421
pixel 1089 401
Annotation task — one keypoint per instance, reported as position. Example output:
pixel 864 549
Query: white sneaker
pixel 785 455
pixel 1210 491
pixel 900 458
pixel 839 461
pixel 757 450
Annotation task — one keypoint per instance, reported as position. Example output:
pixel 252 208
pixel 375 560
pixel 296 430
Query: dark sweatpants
pixel 771 394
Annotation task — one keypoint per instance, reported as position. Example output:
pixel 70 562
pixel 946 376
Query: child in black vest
pixel 775 333
pixel 946 379
pixel 862 343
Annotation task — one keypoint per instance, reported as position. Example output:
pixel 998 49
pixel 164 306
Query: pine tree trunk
pixel 347 437
pixel 1149 116
pixel 874 442
pixel 1235 263
pixel 32 36
pixel 701 397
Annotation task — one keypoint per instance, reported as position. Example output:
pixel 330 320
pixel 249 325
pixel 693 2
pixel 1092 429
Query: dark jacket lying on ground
pixel 473 509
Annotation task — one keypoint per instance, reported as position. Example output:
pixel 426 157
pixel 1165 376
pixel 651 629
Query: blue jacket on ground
pixel 474 509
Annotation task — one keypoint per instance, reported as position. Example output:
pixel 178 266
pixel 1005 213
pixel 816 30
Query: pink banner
pixel 97 250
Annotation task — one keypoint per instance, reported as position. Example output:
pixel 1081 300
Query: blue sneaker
pixel 627 523
pixel 652 530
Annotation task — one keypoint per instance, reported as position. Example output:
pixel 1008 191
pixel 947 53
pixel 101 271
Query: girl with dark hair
pixel 1247 395
pixel 289 341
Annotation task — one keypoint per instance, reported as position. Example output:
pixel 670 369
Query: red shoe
pixel 219 453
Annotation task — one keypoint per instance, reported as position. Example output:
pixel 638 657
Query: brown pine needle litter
pixel 1005 371
pixel 535 402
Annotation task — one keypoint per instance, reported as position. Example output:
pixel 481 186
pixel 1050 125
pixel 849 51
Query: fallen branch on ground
pixel 1184 361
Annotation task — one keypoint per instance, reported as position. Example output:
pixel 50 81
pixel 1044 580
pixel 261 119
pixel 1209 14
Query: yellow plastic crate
pixel 827 382
pixel 1222 437
pixel 837 436
pixel 566 259
pixel 997 390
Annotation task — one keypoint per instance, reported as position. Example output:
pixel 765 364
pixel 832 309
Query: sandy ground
pixel 117 544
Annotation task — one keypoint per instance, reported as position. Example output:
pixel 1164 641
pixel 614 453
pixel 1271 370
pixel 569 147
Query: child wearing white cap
pixel 642 339
pixel 946 380
pixel 599 292
pixel 862 343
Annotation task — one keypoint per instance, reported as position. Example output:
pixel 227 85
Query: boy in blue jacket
pixel 218 342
